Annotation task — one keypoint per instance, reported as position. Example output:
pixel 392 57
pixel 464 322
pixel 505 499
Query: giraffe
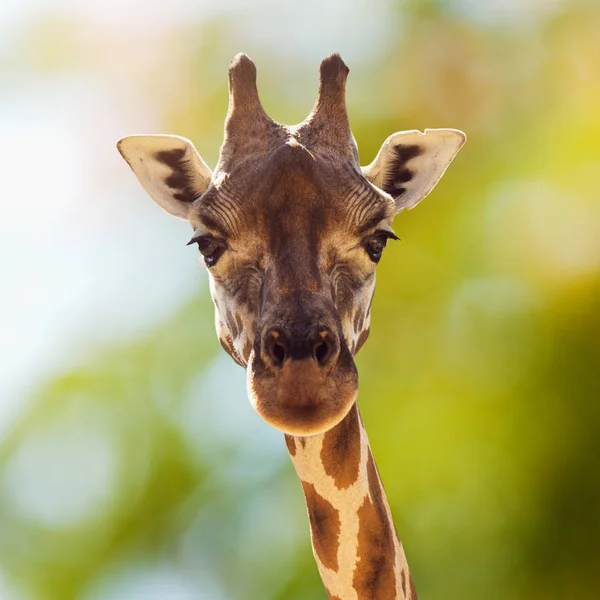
pixel 290 228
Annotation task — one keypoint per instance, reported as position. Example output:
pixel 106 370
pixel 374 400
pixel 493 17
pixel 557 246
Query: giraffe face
pixel 291 253
pixel 291 228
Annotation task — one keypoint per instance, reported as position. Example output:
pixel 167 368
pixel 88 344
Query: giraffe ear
pixel 169 169
pixel 410 163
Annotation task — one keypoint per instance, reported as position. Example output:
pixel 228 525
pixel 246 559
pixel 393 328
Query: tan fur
pixel 371 564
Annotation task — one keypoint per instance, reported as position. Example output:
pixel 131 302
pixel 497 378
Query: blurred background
pixel 131 463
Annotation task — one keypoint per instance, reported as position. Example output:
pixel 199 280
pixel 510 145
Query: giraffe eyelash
pixel 387 233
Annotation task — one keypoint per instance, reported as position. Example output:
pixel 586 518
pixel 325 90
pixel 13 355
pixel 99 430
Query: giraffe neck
pixel 355 544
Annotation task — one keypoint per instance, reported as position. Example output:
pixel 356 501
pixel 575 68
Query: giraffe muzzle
pixel 301 381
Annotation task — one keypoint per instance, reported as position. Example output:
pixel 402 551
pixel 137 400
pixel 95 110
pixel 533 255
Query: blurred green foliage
pixel 479 384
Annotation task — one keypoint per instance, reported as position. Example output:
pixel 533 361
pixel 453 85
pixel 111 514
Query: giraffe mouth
pixel 302 397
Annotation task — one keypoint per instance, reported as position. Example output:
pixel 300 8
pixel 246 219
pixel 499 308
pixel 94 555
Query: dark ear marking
pixel 180 180
pixel 406 152
pixel 169 169
pixel 397 171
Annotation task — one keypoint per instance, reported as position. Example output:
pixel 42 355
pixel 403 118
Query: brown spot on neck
pixel 374 575
pixel 324 526
pixel 290 442
pixel 340 452
pixel 413 591
pixel 375 488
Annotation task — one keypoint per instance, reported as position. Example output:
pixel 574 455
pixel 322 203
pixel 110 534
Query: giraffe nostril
pixel 324 347
pixel 321 352
pixel 275 347
pixel 278 352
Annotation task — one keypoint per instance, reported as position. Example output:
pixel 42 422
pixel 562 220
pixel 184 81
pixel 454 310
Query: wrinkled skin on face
pixel 295 261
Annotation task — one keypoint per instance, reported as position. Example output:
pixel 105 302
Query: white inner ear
pixel 169 169
pixel 437 148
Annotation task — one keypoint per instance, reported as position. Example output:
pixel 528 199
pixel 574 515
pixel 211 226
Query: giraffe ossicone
pixel 291 227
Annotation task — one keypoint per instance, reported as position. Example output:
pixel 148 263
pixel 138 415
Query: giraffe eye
pixel 210 249
pixel 374 247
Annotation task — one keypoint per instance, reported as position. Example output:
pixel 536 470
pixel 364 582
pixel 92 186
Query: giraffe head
pixel 291 228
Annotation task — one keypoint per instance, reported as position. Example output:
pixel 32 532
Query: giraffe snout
pixel 301 376
pixel 280 345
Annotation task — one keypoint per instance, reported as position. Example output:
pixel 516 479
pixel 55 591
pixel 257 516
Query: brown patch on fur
pixel 377 491
pixel 227 345
pixel 362 338
pixel 232 324
pixel 340 452
pixel 374 575
pixel 239 324
pixel 290 442
pixel 247 349
pixel 373 477
pixel 324 526
pixel 413 591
